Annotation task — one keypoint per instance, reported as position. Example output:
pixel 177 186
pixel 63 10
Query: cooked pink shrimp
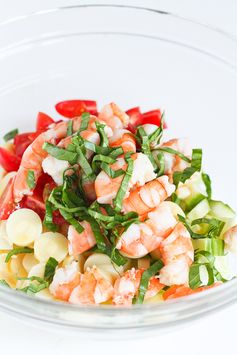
pixel 114 117
pixel 230 238
pixel 173 162
pixel 177 254
pixel 93 288
pixel 146 198
pixel 140 239
pixel 35 155
pixel 106 188
pixel 126 287
pixel 80 242
pixel 64 281
pixel 123 138
pixel 88 185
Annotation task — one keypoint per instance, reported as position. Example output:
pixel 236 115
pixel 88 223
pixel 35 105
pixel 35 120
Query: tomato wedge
pixel 43 122
pixel 153 117
pixel 73 108
pixel 135 116
pixel 7 205
pixel 23 140
pixel 9 161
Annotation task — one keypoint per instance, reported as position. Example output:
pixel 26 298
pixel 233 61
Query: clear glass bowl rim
pixel 147 316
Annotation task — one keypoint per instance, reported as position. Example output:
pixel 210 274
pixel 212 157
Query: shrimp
pixel 177 254
pixel 106 188
pixel 230 238
pixel 88 185
pixel 34 155
pixel 114 117
pixel 93 288
pixel 123 138
pixel 64 281
pixel 140 239
pixel 126 287
pixel 80 242
pixel 174 162
pixel 144 199
pixel 177 291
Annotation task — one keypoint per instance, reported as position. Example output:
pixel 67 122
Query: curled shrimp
pixel 114 117
pixel 144 199
pixel 93 288
pixel 177 291
pixel 34 155
pixel 106 187
pixel 174 162
pixel 80 242
pixel 126 287
pixel 64 281
pixel 123 138
pixel 140 239
pixel 177 254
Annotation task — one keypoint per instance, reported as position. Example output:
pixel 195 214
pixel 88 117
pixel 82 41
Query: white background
pixel 215 334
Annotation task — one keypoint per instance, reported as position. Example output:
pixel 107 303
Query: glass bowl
pixel 133 56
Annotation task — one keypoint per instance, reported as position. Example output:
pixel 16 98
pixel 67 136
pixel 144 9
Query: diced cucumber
pixel 213 246
pixel 197 192
pixel 189 203
pixel 221 210
pixel 199 211
pixel 226 265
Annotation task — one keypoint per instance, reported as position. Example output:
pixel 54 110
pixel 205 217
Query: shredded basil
pixel 50 269
pixel 60 153
pixel 143 138
pixel 194 276
pixel 144 283
pixel 83 162
pixel 196 164
pixel 85 118
pixel 175 152
pixel 216 226
pixel 70 128
pixel 16 251
pixel 31 179
pixel 160 162
pixel 202 258
pixel 207 181
pixel 48 218
pixel 10 135
pixel 118 200
pixel 71 220
pixel 33 288
pixel 103 137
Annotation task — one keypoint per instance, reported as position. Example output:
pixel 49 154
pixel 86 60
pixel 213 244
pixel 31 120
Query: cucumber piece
pixel 226 265
pixel 213 246
pixel 189 203
pixel 199 211
pixel 221 210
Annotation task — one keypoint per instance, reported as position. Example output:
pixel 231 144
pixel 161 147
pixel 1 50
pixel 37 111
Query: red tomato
pixel 152 117
pixel 73 108
pixel 8 160
pixel 35 203
pixel 23 140
pixel 135 116
pixel 43 122
pixel 7 205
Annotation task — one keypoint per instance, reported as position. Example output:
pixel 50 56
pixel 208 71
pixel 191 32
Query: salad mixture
pixel 98 208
